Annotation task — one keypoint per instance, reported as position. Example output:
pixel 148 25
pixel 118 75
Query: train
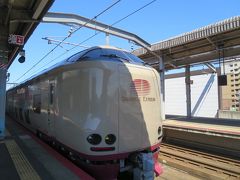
pixel 101 106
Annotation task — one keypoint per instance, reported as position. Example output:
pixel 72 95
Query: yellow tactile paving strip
pixel 22 165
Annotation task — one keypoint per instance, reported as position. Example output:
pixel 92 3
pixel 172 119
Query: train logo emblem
pixel 140 87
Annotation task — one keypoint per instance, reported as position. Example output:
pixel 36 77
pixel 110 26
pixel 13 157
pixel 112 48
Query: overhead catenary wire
pixel 139 9
pixel 99 14
pixel 116 22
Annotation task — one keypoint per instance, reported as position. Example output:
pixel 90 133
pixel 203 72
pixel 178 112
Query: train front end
pixel 140 125
pixel 129 129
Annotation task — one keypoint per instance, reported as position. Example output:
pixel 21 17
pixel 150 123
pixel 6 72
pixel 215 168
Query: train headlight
pixel 110 139
pixel 159 130
pixel 94 139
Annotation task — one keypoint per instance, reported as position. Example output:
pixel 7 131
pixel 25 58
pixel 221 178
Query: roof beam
pixel 211 42
pixel 40 9
pixel 4 44
pixel 207 56
pixel 20 14
pixel 10 3
pixel 211 67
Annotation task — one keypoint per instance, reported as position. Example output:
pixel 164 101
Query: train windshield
pixel 111 55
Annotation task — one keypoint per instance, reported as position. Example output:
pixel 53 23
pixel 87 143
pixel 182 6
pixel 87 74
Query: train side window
pixel 51 93
pixel 16 113
pixel 21 114
pixel 27 116
pixel 37 103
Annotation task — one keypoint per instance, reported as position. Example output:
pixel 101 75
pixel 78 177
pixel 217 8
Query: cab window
pixel 111 55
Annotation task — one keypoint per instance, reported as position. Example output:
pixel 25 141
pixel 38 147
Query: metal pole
pixel 64 18
pixel 220 103
pixel 188 91
pixel 107 39
pixel 162 87
pixel 2 101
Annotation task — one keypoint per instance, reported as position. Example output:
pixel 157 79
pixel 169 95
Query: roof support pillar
pixel 162 87
pixel 3 62
pixel 188 90
pixel 2 101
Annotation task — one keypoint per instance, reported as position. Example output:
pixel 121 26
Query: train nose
pixel 138 108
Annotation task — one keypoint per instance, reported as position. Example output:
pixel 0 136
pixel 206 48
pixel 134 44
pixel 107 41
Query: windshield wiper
pixel 83 58
pixel 115 56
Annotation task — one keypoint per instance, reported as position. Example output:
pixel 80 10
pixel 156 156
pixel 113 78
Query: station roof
pixel 18 17
pixel 198 46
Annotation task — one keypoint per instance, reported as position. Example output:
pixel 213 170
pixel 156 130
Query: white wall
pixel 204 95
pixel 175 96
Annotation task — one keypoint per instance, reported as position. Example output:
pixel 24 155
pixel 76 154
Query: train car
pixel 101 106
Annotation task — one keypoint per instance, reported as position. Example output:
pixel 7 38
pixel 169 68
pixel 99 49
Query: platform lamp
pixel 22 56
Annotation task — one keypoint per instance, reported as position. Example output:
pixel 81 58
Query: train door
pixel 51 108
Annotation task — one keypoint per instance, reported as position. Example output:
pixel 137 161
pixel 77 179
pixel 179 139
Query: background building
pixel 229 95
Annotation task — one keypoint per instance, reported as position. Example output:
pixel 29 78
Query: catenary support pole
pixel 162 84
pixel 188 90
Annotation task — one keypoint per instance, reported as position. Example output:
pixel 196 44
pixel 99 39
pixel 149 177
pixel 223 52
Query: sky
pixel 161 20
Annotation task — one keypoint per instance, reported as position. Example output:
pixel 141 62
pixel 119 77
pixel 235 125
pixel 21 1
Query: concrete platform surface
pixel 216 127
pixel 23 156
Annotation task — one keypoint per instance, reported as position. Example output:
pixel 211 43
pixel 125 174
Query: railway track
pixel 199 163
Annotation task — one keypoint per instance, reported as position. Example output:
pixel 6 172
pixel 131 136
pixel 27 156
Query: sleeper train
pixel 101 106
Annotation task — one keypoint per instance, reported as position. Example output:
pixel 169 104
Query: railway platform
pixel 210 126
pixel 24 156
pixel 216 135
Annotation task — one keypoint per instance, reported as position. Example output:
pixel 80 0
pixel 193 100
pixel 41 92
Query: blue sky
pixel 161 20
